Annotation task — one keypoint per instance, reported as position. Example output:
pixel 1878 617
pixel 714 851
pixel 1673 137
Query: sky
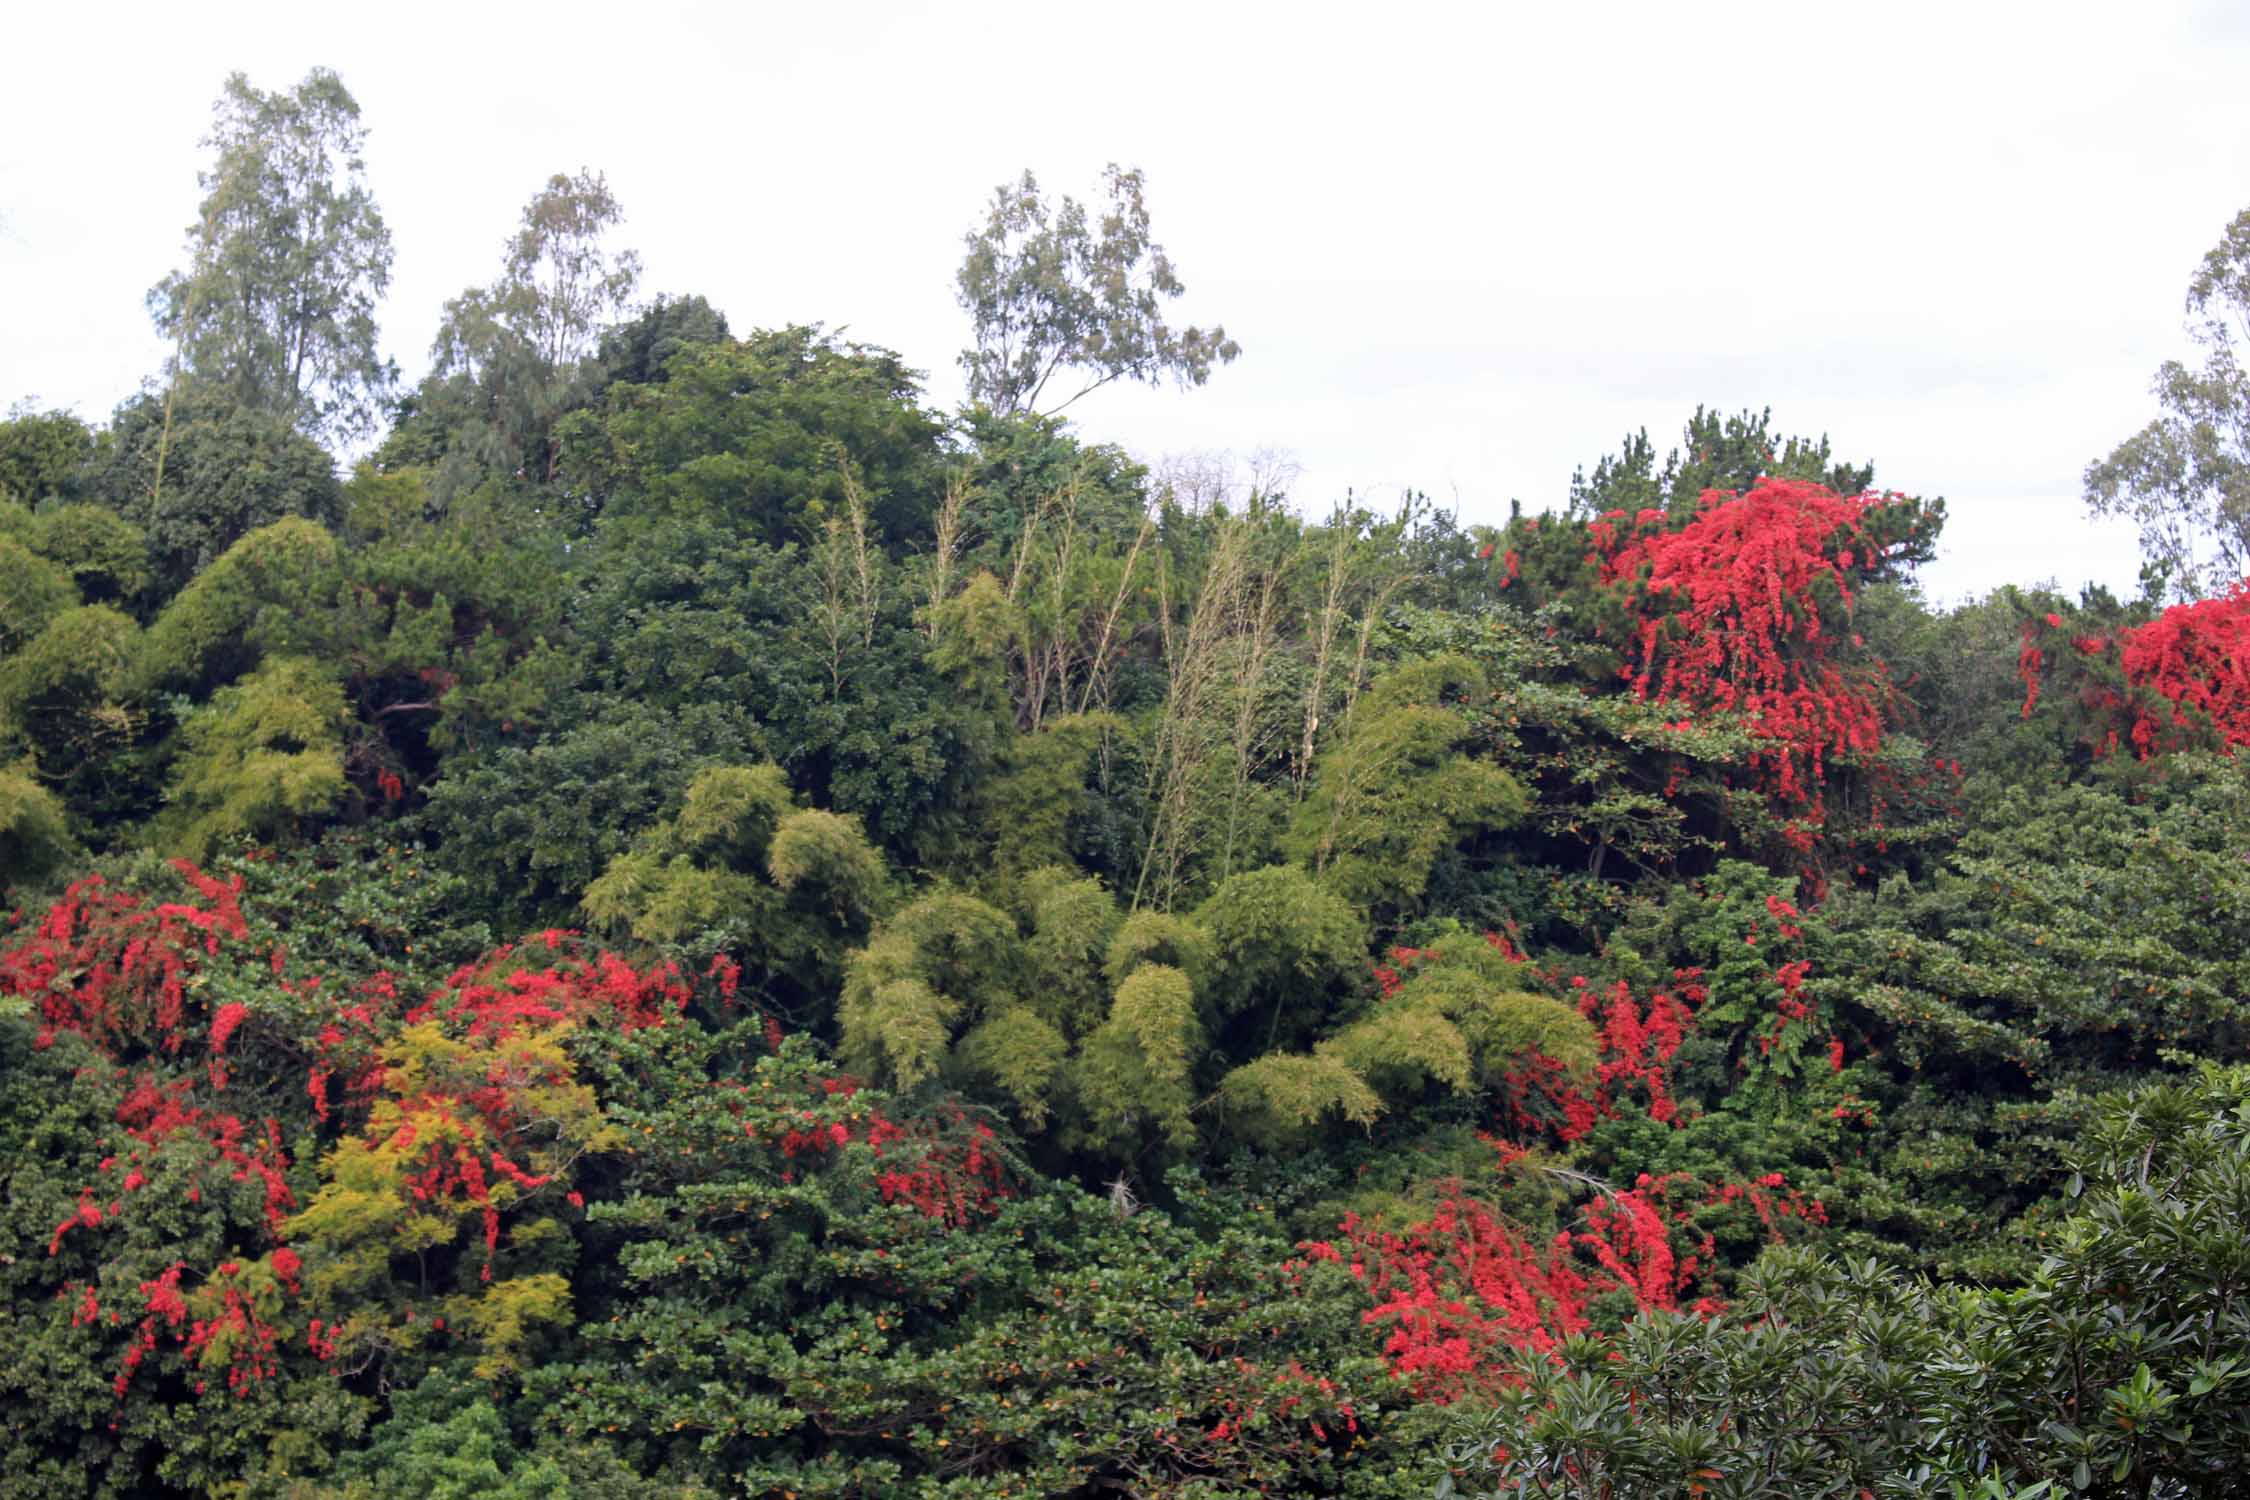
pixel 1466 249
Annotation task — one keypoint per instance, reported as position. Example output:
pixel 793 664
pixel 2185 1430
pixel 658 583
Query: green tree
pixel 1716 453
pixel 33 590
pixel 1048 289
pixel 226 470
pixel 507 356
pixel 743 869
pixel 69 692
pixel 833 1293
pixel 286 262
pixel 525 828
pixel 1393 794
pixel 106 554
pixel 34 839
pixel 761 433
pixel 2185 478
pixel 262 760
pixel 446 1441
pixel 558 286
pixel 40 453
pixel 636 351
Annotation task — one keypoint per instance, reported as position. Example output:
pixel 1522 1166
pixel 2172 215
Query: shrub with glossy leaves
pixel 2120 1369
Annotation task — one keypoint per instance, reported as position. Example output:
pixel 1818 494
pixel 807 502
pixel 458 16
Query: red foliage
pixel 152 1113
pixel 1739 612
pixel 2179 681
pixel 1772 1200
pixel 953 1181
pixel 947 1167
pixel 1458 1289
pixel 1462 1288
pixel 1637 1046
pixel 501 993
pixel 2196 658
pixel 1391 976
pixel 115 968
pixel 1791 1007
pixel 229 1327
pixel 2031 664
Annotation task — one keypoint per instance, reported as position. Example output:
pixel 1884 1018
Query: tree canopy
pixel 287 261
pixel 2185 478
pixel 1049 289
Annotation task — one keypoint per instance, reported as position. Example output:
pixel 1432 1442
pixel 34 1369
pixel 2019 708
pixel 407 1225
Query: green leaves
pixel 2097 1378
pixel 261 761
pixel 1050 289
pixel 287 262
pixel 33 591
pixel 1399 787
pixel 743 869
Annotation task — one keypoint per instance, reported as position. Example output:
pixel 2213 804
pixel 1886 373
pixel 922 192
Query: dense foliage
pixel 697 925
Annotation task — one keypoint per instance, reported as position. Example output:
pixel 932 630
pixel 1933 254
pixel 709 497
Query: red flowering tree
pixel 1745 613
pixel 1688 679
pixel 2179 681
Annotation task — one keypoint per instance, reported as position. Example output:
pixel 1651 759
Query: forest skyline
pixel 1956 310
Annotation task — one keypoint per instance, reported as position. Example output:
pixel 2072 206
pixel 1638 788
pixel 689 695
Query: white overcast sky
pixel 1465 247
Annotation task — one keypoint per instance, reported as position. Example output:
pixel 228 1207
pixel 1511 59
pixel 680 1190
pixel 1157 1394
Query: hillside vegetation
pixel 688 923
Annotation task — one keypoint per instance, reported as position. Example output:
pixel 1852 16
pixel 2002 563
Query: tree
pixel 744 869
pixel 34 837
pixel 2185 478
pixel 265 758
pixel 635 353
pixel 1717 453
pixel 1393 795
pixel 33 590
pixel 198 474
pixel 1050 290
pixel 556 288
pixel 286 261
pixel 40 452
pixel 505 353
pixel 759 433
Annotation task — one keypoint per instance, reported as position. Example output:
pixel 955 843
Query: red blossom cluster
pixel 1741 612
pixel 1772 1200
pixel 454 1149
pixel 152 1113
pixel 115 968
pixel 457 1139
pixel 1638 1043
pixel 1463 1289
pixel 2196 657
pixel 1791 1008
pixel 1391 977
pixel 349 1043
pixel 501 993
pixel 2179 680
pixel 953 1184
pixel 219 1324
pixel 1260 1396
pixel 947 1168
pixel 1506 943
